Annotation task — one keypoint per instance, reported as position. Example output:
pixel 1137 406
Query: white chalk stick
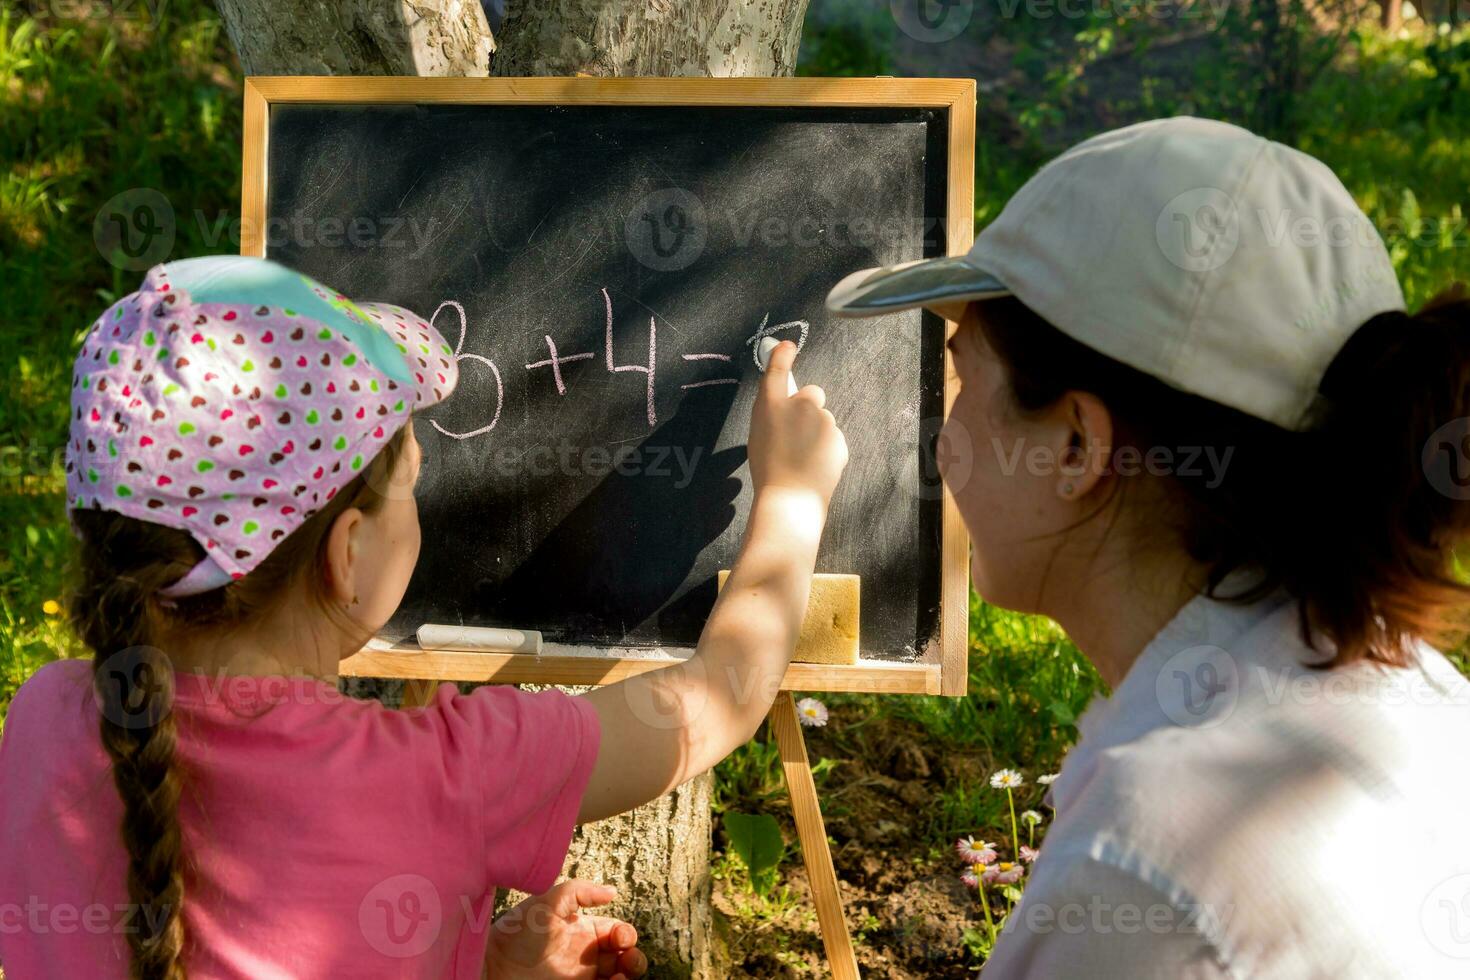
pixel 763 356
pixel 434 636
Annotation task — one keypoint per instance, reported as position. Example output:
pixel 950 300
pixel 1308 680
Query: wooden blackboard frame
pixel 944 667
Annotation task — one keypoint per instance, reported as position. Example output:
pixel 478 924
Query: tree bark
pixel 359 37
pixel 1391 14
pixel 720 38
pixel 658 855
pixel 658 858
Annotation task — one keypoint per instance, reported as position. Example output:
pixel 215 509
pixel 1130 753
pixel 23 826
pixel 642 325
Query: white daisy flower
pixel 1007 779
pixel 811 712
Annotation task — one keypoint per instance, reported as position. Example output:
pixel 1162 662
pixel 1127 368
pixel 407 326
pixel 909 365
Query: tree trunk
pixel 1391 13
pixel 359 37
pixel 658 855
pixel 658 858
pixel 720 38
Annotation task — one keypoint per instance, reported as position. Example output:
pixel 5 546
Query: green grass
pixel 1403 150
pixel 91 106
pixel 117 99
pixel 94 106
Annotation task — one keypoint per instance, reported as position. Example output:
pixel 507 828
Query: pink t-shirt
pixel 327 837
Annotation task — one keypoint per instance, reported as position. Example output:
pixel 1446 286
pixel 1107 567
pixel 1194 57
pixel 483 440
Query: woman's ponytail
pixel 1394 454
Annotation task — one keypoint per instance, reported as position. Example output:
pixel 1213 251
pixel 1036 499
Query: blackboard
pixel 605 271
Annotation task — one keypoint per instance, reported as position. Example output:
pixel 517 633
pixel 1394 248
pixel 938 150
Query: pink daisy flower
pixel 972 851
pixel 1003 873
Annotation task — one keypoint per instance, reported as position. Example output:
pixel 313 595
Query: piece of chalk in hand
pixel 434 636
pixel 763 356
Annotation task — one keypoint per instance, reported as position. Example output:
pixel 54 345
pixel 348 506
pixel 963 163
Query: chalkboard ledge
pixel 583 665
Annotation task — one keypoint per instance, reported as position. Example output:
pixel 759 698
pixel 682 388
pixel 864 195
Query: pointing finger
pixel 777 383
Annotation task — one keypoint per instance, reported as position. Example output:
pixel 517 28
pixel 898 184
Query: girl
pixel 1197 428
pixel 240 471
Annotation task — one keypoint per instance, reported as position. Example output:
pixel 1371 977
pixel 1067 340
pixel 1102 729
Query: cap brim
pixel 927 282
pixel 433 368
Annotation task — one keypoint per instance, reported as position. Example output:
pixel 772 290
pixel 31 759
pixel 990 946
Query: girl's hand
pixel 794 441
pixel 681 720
pixel 547 938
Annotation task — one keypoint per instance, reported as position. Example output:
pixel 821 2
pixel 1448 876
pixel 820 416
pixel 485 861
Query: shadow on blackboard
pixel 624 552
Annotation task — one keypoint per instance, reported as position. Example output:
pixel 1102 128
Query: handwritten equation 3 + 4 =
pixel 649 369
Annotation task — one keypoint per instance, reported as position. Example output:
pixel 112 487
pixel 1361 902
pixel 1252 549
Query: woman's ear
pixel 342 556
pixel 1088 436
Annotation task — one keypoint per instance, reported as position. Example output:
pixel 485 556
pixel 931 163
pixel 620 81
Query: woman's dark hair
pixel 114 606
pixel 1358 517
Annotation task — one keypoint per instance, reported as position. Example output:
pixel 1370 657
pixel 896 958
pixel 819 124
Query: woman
pixel 1197 428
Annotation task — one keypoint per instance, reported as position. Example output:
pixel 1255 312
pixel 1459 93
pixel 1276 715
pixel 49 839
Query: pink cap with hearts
pixel 233 397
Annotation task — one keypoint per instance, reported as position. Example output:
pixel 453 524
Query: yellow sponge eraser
pixel 829 633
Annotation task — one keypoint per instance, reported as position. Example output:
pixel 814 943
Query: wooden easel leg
pixel 813 835
pixel 417 692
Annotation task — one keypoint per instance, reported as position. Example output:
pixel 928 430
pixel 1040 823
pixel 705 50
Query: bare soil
pixel 899 882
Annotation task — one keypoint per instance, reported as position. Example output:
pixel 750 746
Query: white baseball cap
pixel 1221 263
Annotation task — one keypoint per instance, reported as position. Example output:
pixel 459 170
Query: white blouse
pixel 1230 813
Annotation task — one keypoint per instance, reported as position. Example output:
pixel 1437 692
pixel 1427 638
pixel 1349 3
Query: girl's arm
pixel 664 727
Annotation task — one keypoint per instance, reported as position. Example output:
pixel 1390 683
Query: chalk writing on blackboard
pixel 764 331
pixel 558 358
pixel 461 355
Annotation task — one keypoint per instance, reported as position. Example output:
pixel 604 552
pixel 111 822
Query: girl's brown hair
pixel 114 606
pixel 1357 518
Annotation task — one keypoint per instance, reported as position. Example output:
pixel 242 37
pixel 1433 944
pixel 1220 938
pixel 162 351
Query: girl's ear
pixel 341 564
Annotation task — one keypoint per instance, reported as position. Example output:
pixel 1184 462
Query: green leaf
pixel 1062 713
pixel 756 838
